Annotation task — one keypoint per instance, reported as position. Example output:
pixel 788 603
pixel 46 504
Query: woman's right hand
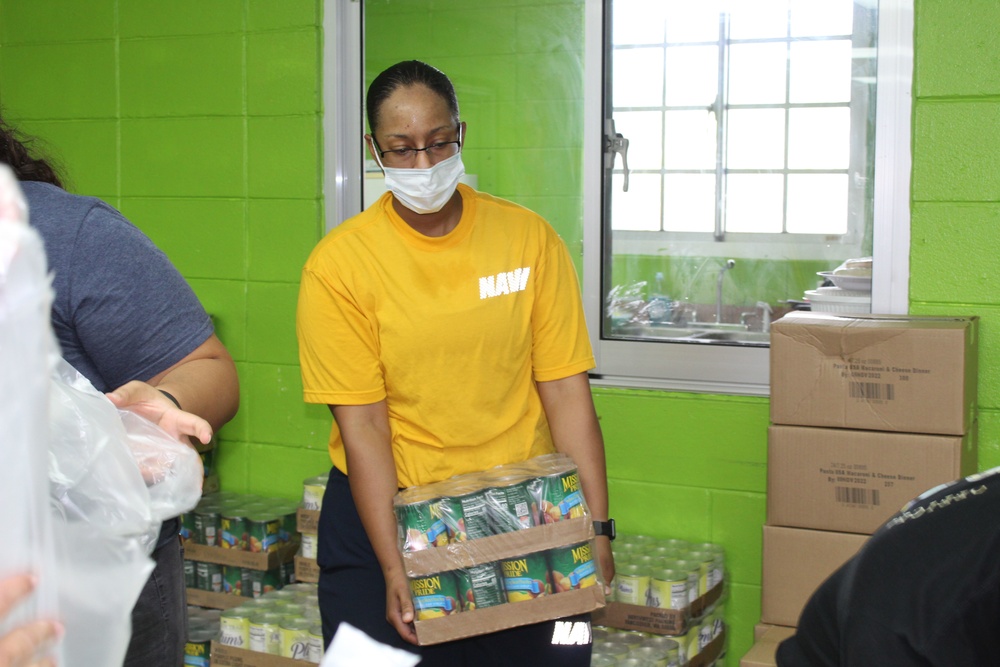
pixel 20 646
pixel 399 606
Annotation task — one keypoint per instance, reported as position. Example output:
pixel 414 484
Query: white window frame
pixel 729 369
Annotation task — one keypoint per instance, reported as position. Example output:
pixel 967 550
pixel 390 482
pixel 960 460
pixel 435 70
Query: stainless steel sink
pixel 750 337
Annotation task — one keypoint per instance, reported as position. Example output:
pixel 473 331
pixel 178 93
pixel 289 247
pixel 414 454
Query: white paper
pixel 352 647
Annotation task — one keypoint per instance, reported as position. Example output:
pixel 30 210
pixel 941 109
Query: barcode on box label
pixel 873 390
pixel 855 496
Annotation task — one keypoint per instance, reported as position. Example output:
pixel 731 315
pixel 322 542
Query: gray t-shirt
pixel 121 310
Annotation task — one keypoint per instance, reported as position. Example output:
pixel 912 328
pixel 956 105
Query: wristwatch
pixel 605 528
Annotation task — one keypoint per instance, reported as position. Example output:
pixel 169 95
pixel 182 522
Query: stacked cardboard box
pixel 867 412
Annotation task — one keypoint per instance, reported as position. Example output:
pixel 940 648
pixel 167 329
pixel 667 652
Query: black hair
pixel 26 167
pixel 408 73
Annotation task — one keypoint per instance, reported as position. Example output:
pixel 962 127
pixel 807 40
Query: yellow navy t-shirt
pixel 452 331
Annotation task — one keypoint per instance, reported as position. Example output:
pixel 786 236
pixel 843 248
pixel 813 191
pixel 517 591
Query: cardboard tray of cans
pixel 498 533
pixel 229 656
pixel 653 619
pixel 213 600
pixel 238 558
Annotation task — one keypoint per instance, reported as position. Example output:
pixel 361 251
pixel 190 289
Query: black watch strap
pixel 605 528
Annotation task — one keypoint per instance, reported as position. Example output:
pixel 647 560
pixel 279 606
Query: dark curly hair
pixel 408 73
pixel 14 151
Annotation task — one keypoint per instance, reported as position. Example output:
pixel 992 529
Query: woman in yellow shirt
pixel 444 328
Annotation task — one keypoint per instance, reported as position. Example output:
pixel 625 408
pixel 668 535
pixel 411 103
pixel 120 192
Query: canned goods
pixel 693 569
pixel 526 578
pixel 704 560
pixel 232 580
pixel 309 545
pixel 289 521
pixel 667 647
pixel 288 572
pixel 234 529
pixel 572 567
pixel 198 648
pixel 294 638
pixel 189 530
pixel 264 528
pixel 313 489
pixel 234 627
pixel 690 641
pixel 263 632
pixel 420 522
pixel 467 506
pixel 668 589
pixel 711 627
pixel 207 524
pixel 561 497
pixel 480 586
pixel 616 650
pixel 315 653
pixel 509 504
pixel 631 585
pixel 263 581
pixel 435 596
pixel 190 579
pixel 208 577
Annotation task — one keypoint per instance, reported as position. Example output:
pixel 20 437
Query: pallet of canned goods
pixel 662 584
pixel 279 629
pixel 702 646
pixel 488 542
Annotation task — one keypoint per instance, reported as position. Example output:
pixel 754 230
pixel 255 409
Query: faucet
pixel 730 263
pixel 765 316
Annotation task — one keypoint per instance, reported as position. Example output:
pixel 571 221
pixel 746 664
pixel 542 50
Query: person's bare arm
pixel 372 476
pixel 204 383
pixel 569 408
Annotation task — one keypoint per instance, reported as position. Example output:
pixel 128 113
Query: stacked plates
pixel 839 300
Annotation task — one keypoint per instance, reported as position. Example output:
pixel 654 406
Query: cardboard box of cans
pixel 663 586
pixel 853 481
pixel 699 647
pixel 910 374
pixel 279 629
pixel 507 547
pixel 229 656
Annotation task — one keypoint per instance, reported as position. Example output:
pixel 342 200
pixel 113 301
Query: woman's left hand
pixel 147 401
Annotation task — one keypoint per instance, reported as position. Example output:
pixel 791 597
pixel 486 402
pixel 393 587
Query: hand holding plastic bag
pixel 113 469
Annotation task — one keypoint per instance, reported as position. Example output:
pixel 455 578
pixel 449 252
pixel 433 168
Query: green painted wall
pixel 202 122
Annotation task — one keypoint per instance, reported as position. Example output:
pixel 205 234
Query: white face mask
pixel 425 190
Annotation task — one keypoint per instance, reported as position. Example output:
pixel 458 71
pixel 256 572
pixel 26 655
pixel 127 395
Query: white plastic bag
pixel 113 469
pixel 26 349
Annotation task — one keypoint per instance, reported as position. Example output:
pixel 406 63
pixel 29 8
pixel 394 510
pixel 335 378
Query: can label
pixel 189 531
pixel 234 532
pixel 669 590
pixel 234 631
pixel 435 596
pixel 294 642
pixel 197 654
pixel 561 497
pixel 510 506
pixel 480 586
pixel 312 496
pixel 207 524
pixel 315 645
pixel 472 516
pixel 309 545
pixel 573 567
pixel 265 534
pixel 526 578
pixel 422 525
pixel 232 580
pixel 190 578
pixel 208 577
pixel 264 581
pixel 631 588
pixel 264 634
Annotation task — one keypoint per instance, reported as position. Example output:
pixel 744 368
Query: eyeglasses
pixel 406 156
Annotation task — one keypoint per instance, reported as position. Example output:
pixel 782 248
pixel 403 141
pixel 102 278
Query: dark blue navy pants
pixel 352 589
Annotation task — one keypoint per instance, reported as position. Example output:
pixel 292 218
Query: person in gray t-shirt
pixel 126 319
